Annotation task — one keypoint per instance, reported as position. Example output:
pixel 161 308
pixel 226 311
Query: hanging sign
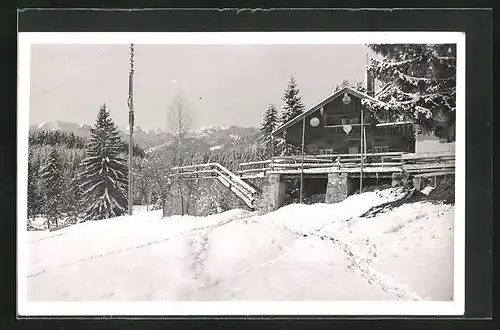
pixel 314 122
pixel 347 128
pixel 346 99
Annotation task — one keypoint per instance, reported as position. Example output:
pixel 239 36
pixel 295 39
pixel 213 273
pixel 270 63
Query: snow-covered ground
pixel 299 252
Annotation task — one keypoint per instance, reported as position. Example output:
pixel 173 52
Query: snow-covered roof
pixel 318 106
pixel 395 123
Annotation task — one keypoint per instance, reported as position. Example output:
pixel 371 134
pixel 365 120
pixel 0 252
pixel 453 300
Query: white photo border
pixel 238 308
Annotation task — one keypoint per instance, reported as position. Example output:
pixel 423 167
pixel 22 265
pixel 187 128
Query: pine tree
pixel 360 87
pixel 67 174
pixel 34 194
pixel 344 83
pixel 269 124
pixel 70 140
pixel 270 120
pixel 289 149
pixel 420 85
pixel 104 176
pixel 52 186
pixel 75 196
pixel 293 102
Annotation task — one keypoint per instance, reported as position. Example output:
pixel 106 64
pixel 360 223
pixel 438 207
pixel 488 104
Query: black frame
pixel 477 24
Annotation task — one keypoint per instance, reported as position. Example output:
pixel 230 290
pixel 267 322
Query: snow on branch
pixel 389 64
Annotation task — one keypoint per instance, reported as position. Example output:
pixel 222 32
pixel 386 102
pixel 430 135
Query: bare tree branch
pixel 180 124
pixel 180 119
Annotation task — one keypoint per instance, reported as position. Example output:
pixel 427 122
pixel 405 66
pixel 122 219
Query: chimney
pixel 370 80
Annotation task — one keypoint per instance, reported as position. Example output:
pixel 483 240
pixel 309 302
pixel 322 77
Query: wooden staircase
pixel 215 170
pixel 374 164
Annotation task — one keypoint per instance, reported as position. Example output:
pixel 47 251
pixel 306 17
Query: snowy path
pixel 300 252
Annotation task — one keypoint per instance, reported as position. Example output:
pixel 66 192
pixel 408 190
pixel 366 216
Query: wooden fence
pixel 215 170
pixel 429 162
pixel 383 162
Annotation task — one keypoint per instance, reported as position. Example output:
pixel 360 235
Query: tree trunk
pixel 163 204
pixel 451 133
pixel 181 197
pixel 189 200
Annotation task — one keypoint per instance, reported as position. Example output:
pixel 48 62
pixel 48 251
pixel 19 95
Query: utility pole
pixel 131 125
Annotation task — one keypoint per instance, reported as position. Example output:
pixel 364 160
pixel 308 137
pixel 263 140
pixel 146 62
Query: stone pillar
pixel 418 183
pixel 337 188
pixel 397 179
pixel 401 179
pixel 276 192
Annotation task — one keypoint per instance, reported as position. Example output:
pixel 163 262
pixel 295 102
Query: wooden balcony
pixel 388 162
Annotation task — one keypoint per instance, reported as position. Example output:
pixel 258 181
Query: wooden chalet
pixel 345 148
pixel 333 126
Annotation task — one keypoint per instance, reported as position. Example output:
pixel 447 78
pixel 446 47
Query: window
pixel 331 120
pixel 379 149
pixel 352 150
pixel 349 120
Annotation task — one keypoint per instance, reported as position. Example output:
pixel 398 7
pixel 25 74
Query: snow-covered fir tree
pixel 286 148
pixel 419 85
pixel 34 193
pixel 293 102
pixel 359 86
pixel 292 108
pixel 344 83
pixel 268 125
pixel 51 175
pixel 75 196
pixel 104 175
pixel 53 138
pixel 270 120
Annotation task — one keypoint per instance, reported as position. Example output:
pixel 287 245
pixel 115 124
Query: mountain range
pixel 209 137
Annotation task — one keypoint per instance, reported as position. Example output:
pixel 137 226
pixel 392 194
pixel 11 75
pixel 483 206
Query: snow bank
pixel 410 246
pixel 310 218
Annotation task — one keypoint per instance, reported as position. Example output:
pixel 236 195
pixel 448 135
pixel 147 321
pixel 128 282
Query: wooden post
pixel 364 137
pixel 302 165
pixel 361 151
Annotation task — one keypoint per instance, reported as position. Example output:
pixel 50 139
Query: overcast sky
pixel 222 84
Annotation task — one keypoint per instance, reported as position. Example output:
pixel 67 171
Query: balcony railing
pixel 370 130
pixel 319 163
pixel 376 162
